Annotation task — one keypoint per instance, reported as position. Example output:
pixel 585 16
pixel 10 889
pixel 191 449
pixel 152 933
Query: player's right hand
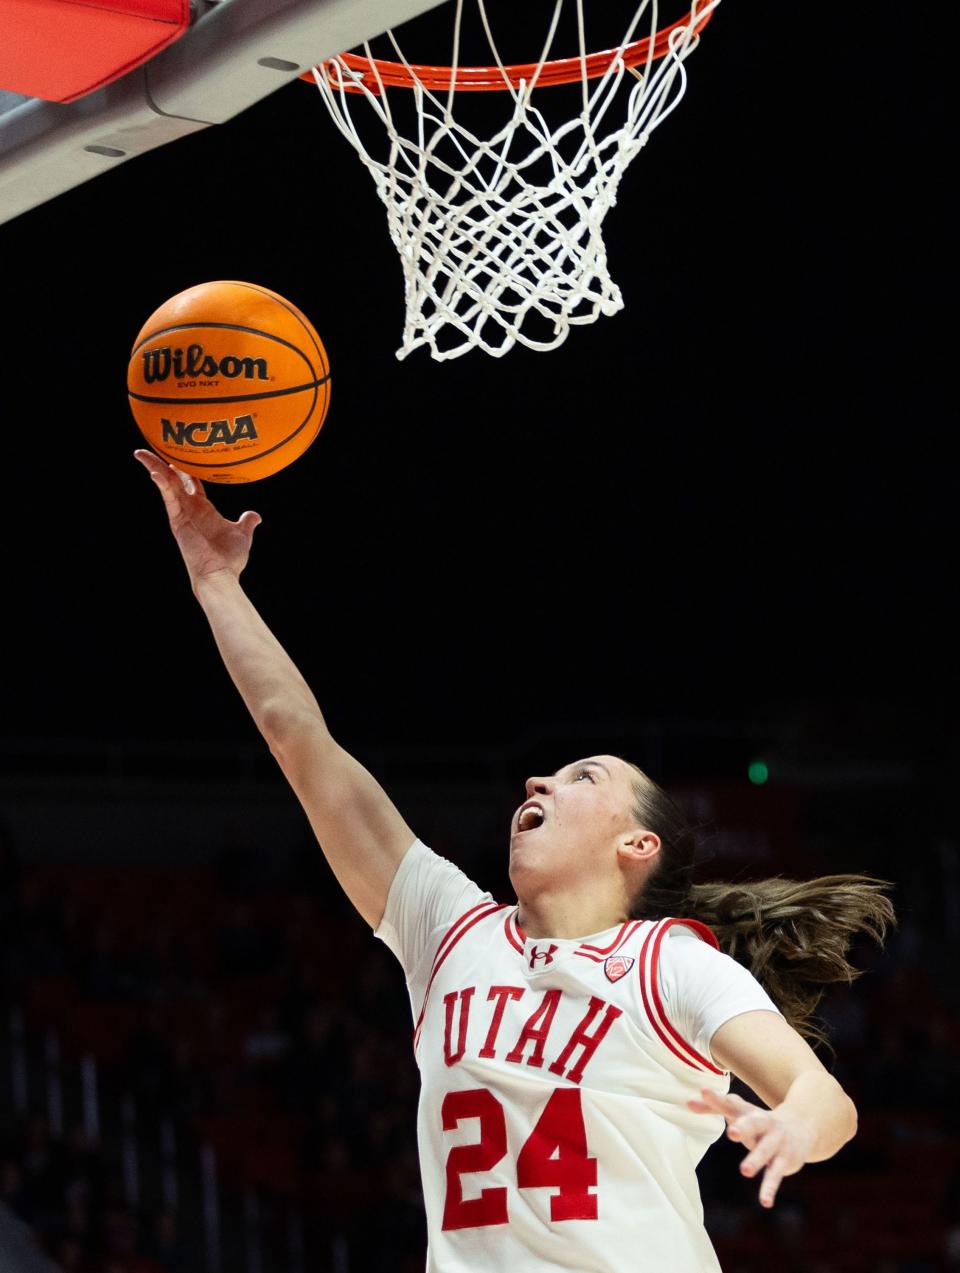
pixel 210 545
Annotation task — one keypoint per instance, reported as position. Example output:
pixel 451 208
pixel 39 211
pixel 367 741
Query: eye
pixel 584 773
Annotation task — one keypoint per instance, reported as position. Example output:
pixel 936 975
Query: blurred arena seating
pixel 207 1069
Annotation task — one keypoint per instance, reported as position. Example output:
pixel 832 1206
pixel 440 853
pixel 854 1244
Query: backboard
pixel 233 54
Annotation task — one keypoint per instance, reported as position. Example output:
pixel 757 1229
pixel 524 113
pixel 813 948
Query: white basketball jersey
pixel 553 1126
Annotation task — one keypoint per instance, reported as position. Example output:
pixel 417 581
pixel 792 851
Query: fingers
pixel 771 1181
pixel 709 1104
pixel 757 1128
pixel 761 1154
pixel 771 1154
pixel 777 1167
pixel 729 1105
pixel 164 472
pixel 186 501
pixel 749 1128
pixel 745 1122
pixel 173 483
pixel 162 475
pixel 148 459
pixel 765 1155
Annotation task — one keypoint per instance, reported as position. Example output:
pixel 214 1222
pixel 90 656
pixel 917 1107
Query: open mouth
pixel 531 817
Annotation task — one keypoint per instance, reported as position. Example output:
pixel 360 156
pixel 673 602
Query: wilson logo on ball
pixel 216 350
pixel 193 362
pixel 207 432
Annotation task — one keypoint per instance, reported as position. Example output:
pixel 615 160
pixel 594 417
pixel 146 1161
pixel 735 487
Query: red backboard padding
pixel 62 49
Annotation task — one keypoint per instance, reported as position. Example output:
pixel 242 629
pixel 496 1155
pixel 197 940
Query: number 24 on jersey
pixel 554 1156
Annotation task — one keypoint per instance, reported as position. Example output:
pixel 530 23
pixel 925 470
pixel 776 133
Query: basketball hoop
pixel 500 237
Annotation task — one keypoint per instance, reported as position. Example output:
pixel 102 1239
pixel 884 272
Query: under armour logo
pixel 546 955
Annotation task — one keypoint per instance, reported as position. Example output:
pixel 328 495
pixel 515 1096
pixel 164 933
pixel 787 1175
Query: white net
pixel 500 237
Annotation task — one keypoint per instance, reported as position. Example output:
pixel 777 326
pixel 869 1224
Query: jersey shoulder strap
pixel 653 1004
pixel 451 938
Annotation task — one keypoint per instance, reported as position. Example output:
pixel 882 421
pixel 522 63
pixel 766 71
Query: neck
pixel 567 917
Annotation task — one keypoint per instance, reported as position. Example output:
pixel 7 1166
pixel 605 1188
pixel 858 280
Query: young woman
pixel 576 1048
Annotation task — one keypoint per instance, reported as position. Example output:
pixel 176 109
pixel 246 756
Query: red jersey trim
pixel 605 950
pixel 509 924
pixel 485 909
pixel 516 936
pixel 649 961
pixel 451 933
pixel 626 932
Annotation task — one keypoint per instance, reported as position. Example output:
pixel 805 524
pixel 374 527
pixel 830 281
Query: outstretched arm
pixel 810 1116
pixel 362 835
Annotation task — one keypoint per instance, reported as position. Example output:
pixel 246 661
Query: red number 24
pixel 553 1157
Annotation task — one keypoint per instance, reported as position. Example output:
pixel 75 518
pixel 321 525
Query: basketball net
pixel 500 237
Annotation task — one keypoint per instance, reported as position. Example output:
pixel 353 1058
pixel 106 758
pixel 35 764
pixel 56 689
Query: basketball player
pixel 575 1049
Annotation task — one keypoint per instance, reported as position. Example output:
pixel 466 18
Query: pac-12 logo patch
pixel 617 966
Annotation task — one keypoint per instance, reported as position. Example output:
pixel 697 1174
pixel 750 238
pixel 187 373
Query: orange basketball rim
pixel 371 73
pixel 500 229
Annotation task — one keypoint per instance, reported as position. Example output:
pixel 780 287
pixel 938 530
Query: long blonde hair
pixel 793 935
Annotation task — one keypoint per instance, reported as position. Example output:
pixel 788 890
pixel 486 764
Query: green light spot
pixel 757 772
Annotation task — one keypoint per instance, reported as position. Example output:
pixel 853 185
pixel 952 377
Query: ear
pixel 639 847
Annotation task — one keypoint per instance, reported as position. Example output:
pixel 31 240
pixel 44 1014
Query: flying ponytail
pixel 793 935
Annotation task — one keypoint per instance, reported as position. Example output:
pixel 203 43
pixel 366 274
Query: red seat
pixel 102 1029
pixel 63 49
pixel 256 1149
pixel 48 1000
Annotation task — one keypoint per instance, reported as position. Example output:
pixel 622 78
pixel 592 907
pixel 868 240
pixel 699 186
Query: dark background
pixel 732 498
pixel 716 527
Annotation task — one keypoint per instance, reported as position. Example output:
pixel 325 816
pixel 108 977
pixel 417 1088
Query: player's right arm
pixel 362 834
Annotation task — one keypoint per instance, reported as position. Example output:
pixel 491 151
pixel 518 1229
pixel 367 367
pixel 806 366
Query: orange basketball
pixel 228 381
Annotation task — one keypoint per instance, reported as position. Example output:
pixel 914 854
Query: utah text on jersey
pixel 553 1122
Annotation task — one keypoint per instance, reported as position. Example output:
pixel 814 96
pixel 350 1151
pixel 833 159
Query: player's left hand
pixel 778 1141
